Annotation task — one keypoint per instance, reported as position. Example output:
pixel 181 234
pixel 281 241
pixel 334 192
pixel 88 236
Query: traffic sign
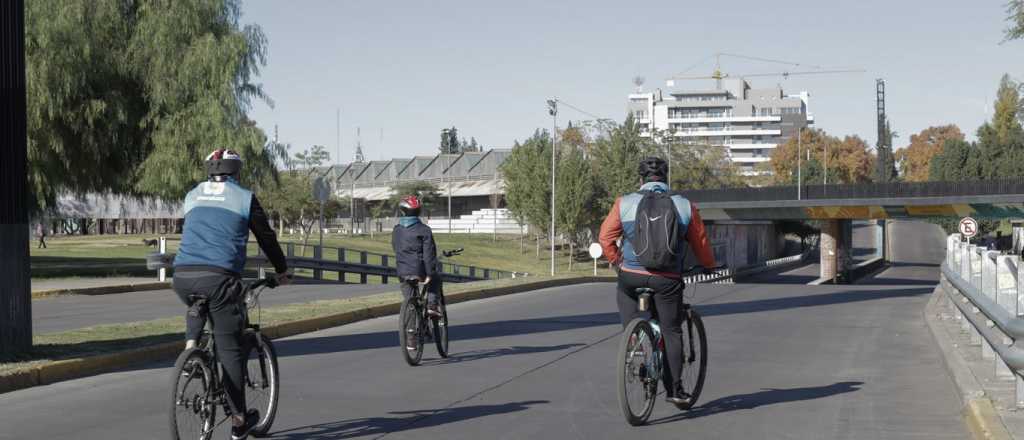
pixel 321 191
pixel 968 227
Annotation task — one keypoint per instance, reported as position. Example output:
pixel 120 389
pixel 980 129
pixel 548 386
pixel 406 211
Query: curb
pixel 102 290
pixel 982 419
pixel 87 366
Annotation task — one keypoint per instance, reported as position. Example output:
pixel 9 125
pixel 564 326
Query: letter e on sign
pixel 968 227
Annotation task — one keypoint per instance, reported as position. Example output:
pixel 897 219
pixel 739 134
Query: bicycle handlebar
pixel 452 252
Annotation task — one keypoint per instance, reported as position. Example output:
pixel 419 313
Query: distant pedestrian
pixel 41 232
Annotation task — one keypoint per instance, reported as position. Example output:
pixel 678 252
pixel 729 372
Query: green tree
pixel 701 166
pixel 958 160
pixel 527 173
pixel 615 158
pixel 1001 140
pixel 1015 16
pixel 575 196
pixel 142 90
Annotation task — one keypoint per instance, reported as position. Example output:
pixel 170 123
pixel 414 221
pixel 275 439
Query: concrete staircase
pixel 484 221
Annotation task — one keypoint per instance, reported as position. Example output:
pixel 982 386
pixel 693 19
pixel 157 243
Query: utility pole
pixel 15 280
pixel 799 170
pixel 553 111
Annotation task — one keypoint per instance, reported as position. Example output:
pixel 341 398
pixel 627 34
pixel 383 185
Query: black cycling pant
pixel 226 312
pixel 433 290
pixel 668 301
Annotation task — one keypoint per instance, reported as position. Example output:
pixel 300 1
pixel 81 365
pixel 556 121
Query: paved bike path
pixel 787 361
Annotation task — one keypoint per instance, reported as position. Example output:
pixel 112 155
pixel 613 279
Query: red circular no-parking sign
pixel 968 227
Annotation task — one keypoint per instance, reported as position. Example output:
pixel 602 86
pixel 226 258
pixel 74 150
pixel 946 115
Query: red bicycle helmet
pixel 410 206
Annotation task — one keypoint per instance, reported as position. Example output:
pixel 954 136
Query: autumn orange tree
pixel 848 159
pixel 915 160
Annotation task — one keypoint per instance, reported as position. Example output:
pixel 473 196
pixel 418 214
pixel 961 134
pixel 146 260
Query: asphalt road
pixel 786 361
pixel 76 311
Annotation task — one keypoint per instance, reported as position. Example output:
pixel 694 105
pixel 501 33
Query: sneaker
pixel 252 418
pixel 680 398
pixel 434 311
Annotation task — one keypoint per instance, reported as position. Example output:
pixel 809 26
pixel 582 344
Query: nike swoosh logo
pixel 654 219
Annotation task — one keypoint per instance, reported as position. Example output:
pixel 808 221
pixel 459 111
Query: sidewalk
pixel 977 378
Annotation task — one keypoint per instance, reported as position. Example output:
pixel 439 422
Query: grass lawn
pixel 117 255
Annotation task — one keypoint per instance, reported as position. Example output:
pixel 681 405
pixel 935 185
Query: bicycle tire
pixel 267 381
pixel 648 380
pixel 409 326
pixel 440 325
pixel 695 355
pixel 192 365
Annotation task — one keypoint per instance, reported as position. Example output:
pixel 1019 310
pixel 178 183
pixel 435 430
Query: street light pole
pixel 799 170
pixel 553 111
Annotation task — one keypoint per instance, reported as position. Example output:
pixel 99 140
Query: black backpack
pixel 657 235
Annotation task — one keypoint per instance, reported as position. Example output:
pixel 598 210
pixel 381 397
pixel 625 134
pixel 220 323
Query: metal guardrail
pixel 727 275
pixel 984 286
pixel 349 261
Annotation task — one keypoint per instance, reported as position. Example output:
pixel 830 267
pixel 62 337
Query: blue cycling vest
pixel 216 229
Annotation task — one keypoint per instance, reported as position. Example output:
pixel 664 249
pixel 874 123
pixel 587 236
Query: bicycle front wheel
pixel 440 324
pixel 410 333
pixel 262 381
pixel 638 372
pixel 695 357
pixel 192 405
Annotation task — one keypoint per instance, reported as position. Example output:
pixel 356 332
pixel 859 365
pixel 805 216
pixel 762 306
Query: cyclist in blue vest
pixel 667 283
pixel 219 214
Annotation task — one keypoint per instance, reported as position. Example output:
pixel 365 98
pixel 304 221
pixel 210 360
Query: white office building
pixel 750 122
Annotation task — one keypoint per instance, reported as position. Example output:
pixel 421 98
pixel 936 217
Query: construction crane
pixel 718 75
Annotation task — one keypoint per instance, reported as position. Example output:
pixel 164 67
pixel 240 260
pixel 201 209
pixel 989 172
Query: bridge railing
pixel 344 261
pixel 860 191
pixel 984 286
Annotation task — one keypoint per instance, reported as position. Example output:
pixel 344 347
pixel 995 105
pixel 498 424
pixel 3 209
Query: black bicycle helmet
pixel 223 162
pixel 653 169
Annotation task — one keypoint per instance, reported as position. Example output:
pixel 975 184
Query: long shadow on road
pixel 767 396
pixel 402 421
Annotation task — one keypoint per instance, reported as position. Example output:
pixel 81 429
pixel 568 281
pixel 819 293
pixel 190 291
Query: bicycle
pixel 196 383
pixel 416 324
pixel 642 358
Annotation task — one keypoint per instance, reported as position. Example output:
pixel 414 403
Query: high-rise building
pixel 749 122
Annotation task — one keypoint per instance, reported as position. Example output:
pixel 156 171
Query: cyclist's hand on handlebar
pixel 284 278
pixel 426 281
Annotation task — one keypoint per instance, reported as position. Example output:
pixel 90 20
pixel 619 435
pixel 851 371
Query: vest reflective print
pixel 216 227
pixel 627 214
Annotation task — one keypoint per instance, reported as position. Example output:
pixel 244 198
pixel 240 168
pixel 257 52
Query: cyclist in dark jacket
pixel 416 252
pixel 219 214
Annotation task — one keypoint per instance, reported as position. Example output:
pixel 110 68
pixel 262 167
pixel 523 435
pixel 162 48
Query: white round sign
pixel 595 251
pixel 968 227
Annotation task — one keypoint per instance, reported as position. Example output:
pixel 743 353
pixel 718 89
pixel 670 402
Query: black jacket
pixel 415 251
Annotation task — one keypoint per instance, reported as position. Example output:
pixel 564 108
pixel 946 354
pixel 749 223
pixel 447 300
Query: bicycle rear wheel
pixel 410 333
pixel 262 381
pixel 440 325
pixel 638 373
pixel 192 406
pixel 695 357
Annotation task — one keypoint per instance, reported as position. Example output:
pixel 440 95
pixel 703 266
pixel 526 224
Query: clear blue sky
pixel 487 67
